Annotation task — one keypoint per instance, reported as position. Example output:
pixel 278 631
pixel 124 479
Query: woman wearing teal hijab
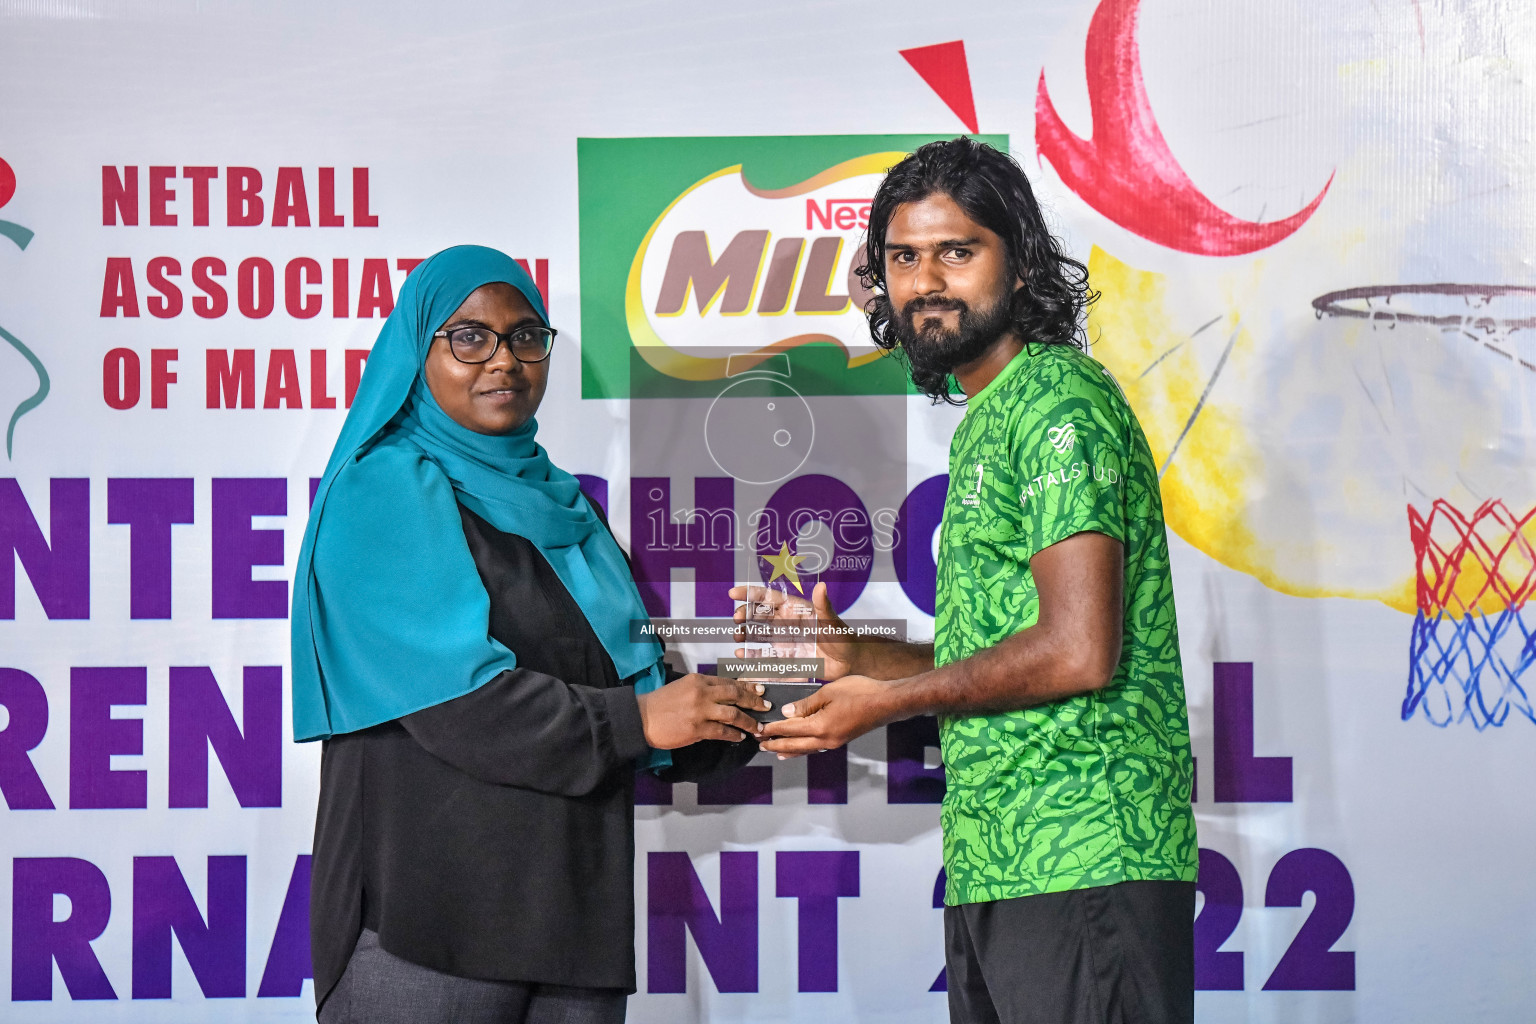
pixel 461 642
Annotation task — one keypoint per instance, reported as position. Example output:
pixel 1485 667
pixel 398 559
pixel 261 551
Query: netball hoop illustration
pixel 1473 642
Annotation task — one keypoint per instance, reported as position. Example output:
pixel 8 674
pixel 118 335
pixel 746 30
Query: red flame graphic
pixel 1125 170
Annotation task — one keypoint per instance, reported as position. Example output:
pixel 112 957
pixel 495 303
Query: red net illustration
pixel 1472 642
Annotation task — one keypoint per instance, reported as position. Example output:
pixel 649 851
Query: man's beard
pixel 934 351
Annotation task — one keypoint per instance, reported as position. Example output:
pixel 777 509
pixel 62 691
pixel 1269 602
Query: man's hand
pixel 830 717
pixel 834 645
pixel 696 708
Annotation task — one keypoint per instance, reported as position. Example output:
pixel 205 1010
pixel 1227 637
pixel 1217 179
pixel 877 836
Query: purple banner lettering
pixel 237 547
pixel 1218 970
pixel 59 566
pixel 149 508
pixel 1241 777
pixel 750 784
pixel 163 906
pixel 26 708
pixel 817 497
pixel 826 776
pixel 676 905
pixel 252 757
pixel 38 941
pixel 704 542
pixel 1310 963
pixel 906 748
pixel 94 736
pixel 818 879
pixel 594 487
pixel 651 791
pixel 916 520
pixel 940 983
pixel 288 959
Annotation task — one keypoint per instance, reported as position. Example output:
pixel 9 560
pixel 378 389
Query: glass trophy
pixel 778 646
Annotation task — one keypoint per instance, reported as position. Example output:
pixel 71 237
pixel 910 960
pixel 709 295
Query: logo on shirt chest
pixel 973 499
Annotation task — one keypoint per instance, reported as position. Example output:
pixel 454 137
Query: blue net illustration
pixel 1472 644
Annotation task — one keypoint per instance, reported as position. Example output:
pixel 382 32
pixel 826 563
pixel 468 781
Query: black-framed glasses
pixel 479 344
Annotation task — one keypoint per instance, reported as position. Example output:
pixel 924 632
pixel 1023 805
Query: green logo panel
pixel 705 257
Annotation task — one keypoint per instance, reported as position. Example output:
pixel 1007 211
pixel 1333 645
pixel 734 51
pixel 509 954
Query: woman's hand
pixel 834 644
pixel 696 708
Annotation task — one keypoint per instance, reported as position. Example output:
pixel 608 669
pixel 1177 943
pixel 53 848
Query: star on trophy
pixel 785 564
pixel 778 634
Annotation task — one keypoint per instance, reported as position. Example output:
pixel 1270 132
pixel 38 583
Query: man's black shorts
pixel 1113 954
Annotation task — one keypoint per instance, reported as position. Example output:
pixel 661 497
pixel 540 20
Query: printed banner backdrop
pixel 1312 229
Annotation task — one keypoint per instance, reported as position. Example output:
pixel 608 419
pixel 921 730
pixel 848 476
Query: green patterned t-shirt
pixel 1094 789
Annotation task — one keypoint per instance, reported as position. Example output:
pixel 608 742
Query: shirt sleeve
pixel 1070 451
pixel 531 730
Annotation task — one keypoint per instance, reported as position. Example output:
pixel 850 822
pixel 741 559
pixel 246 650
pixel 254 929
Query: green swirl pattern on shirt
pixel 1095 789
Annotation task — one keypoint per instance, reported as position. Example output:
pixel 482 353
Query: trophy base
pixel 779 694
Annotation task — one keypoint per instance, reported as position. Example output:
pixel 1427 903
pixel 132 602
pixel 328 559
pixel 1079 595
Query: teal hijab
pixel 389 613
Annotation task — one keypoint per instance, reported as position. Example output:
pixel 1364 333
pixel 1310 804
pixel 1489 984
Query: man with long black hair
pixel 1069 843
